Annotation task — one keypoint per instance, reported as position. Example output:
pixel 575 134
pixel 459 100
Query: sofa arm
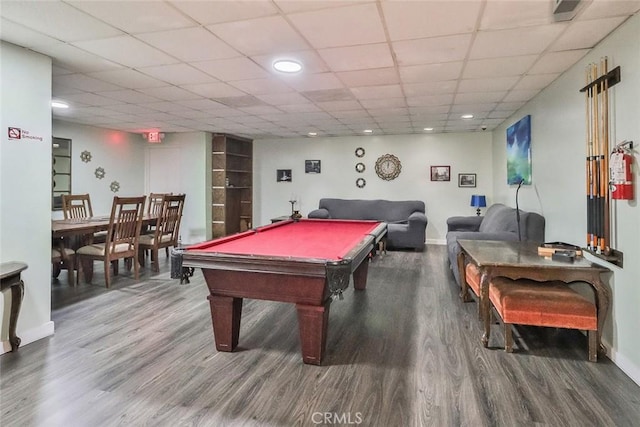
pixel 417 219
pixel 496 235
pixel 464 223
pixel 319 213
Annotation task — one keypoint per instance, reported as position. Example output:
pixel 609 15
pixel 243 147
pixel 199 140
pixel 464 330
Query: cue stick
pixel 607 231
pixel 588 150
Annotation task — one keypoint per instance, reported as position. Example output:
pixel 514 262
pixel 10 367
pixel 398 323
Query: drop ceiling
pixel 394 67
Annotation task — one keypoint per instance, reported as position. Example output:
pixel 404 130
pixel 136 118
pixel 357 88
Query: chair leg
pixel 136 268
pixel 508 338
pixel 107 272
pixel 593 345
pixel 154 260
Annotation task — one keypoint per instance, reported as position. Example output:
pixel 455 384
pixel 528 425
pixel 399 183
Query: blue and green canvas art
pixel 519 152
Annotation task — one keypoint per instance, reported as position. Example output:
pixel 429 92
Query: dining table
pixel 72 233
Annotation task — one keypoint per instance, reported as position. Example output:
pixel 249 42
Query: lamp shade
pixel 478 201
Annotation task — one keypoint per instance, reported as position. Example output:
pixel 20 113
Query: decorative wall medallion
pixel 359 152
pixel 100 173
pixel 85 156
pixel 360 167
pixel 115 186
pixel 360 182
pixel 388 167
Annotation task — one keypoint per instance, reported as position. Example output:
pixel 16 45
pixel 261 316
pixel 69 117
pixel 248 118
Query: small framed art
pixel 283 175
pixel 466 180
pixel 312 166
pixel 440 173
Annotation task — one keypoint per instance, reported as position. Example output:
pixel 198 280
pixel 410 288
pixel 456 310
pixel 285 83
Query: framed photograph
pixel 312 166
pixel 283 175
pixel 466 180
pixel 440 173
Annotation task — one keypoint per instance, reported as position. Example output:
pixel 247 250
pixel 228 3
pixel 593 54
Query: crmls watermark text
pixel 336 418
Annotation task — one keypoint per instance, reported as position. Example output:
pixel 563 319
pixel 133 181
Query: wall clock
pixel 360 182
pixel 388 167
pixel 359 152
pixel 360 167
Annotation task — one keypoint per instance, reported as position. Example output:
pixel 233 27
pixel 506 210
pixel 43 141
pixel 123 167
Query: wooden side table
pixel 10 279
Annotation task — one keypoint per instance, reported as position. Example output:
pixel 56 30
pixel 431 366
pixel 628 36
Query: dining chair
pixel 154 204
pixel 122 239
pixel 75 206
pixel 166 232
pixel 62 258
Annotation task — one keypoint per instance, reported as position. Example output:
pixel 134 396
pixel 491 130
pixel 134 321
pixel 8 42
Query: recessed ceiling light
pixel 313 134
pixel 467 116
pixel 427 129
pixel 287 66
pixel 367 131
pixel 59 104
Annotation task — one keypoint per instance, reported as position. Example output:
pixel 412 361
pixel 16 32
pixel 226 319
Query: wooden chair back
pixel 154 207
pixel 76 206
pixel 124 226
pixel 169 227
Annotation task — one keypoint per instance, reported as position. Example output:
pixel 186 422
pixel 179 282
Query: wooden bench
pixel 549 304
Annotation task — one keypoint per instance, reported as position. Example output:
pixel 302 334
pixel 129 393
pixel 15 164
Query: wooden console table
pixel 10 279
pixel 520 260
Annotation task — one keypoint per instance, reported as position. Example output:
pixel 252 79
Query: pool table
pixel 306 262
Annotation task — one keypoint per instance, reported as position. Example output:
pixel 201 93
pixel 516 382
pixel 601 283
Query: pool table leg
pixel 312 322
pixel 360 275
pixel 225 316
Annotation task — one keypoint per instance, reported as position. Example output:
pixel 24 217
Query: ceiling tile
pixel 432 50
pixel 429 100
pixel 283 98
pixel 178 74
pixel 335 27
pixel 84 82
pixel 499 15
pixel 586 34
pixel 265 86
pixel 322 81
pixel 130 96
pixel 431 72
pixel 135 16
pixel 208 12
pixel 536 81
pixel 22 36
pixel 166 106
pixel 487 84
pixel 383 103
pixel 232 69
pixel 53 18
pixel 515 42
pixel 430 87
pixel 362 57
pixel 75 59
pixel 169 93
pixel 92 99
pixel 557 62
pixel 214 90
pixel 303 108
pixel 377 92
pixel 127 51
pixel 520 95
pixel 189 44
pixel 378 76
pixel 479 97
pixel 419 19
pixel 311 62
pixel 603 9
pixel 498 67
pixel 327 95
pixel 127 78
pixel 473 108
pixel 332 106
pixel 275 35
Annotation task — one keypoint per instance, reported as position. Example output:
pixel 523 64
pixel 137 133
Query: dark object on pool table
pixel 305 262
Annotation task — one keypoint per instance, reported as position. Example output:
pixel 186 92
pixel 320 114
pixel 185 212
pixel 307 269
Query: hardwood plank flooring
pixel 405 352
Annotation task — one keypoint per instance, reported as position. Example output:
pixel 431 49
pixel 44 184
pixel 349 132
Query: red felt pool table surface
pixel 306 238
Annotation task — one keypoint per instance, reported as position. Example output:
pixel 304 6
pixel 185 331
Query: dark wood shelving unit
pixel 232 185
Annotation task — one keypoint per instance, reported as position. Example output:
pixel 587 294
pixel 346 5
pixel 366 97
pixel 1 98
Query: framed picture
pixel 312 166
pixel 519 152
pixel 466 180
pixel 440 173
pixel 283 175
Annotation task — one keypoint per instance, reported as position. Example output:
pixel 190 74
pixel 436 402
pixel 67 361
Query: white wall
pixel 182 159
pixel 120 154
pixel 465 153
pixel 25 185
pixel 558 190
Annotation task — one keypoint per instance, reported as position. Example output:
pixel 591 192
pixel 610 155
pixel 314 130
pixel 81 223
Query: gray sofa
pixel 498 223
pixel 406 220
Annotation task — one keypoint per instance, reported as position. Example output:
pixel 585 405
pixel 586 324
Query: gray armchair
pixel 498 223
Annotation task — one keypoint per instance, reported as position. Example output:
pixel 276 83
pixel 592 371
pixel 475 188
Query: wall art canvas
pixel 519 152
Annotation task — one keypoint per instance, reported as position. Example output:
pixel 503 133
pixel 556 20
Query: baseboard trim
pixel 625 365
pixel 31 335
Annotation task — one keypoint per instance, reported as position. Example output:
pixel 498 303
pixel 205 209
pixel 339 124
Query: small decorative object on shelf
pixel 226 182
pixel 359 152
pixel 296 215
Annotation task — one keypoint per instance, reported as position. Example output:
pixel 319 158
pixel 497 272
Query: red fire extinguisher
pixel 620 164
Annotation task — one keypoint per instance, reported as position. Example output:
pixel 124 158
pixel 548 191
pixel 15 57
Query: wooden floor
pixel 405 352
